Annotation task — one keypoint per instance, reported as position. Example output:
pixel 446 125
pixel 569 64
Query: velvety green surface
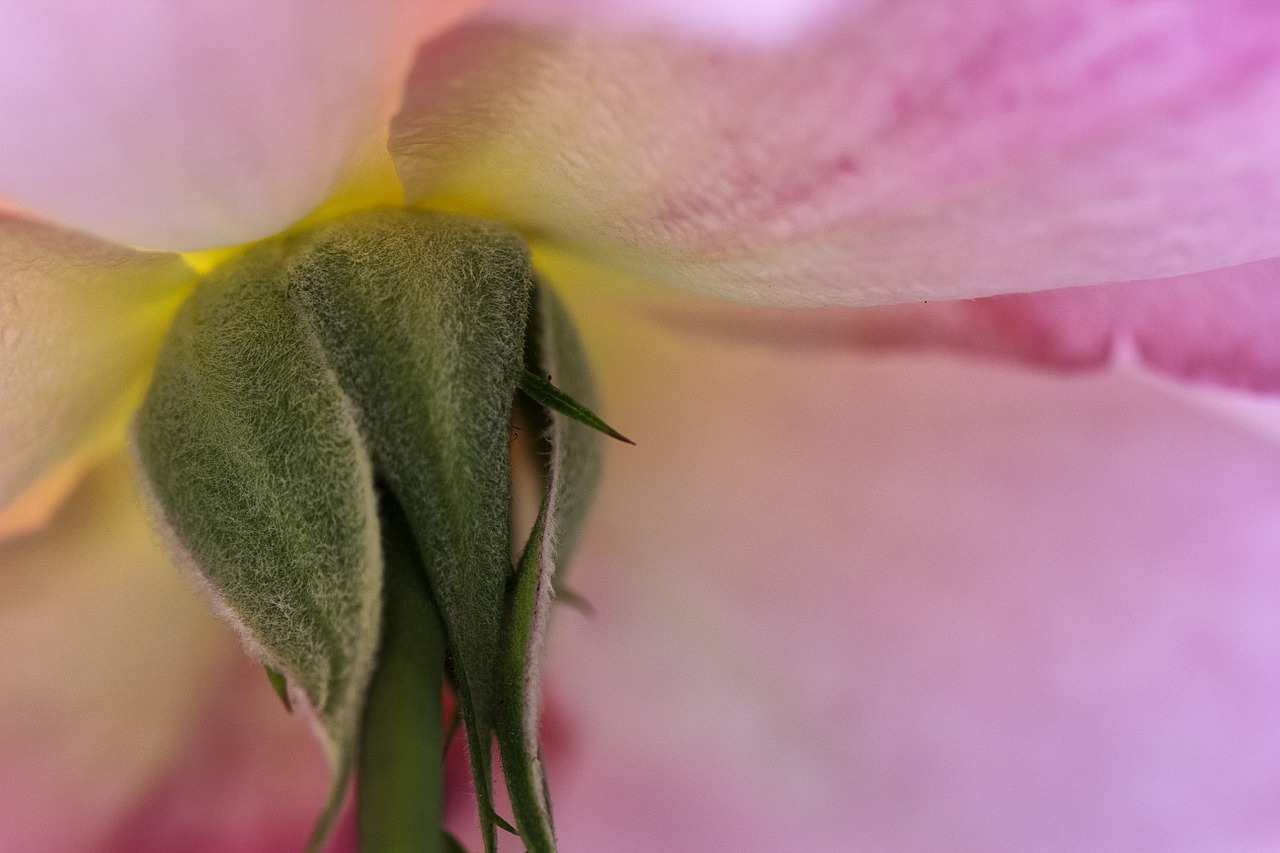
pixel 572 458
pixel 423 318
pixel 254 460
pixel 387 346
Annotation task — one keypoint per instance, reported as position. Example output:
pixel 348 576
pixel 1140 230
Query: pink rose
pixel 855 589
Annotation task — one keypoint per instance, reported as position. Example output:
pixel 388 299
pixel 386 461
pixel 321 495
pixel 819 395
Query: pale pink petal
pixel 190 125
pixel 911 150
pixel 913 604
pixel 80 323
pixel 105 652
pixel 753 21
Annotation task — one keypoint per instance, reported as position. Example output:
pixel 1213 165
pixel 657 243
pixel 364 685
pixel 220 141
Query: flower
pixel 842 601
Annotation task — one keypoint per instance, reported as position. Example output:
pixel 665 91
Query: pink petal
pixel 913 604
pixel 80 324
pixel 190 125
pixel 1217 326
pixel 104 655
pixel 911 150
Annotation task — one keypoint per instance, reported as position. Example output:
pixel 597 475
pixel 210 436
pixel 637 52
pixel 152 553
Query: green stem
pixel 401 773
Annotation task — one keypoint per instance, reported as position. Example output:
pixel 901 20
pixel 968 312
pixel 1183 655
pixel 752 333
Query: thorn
pixel 504 825
pixel 280 686
pixel 549 396
pixel 569 598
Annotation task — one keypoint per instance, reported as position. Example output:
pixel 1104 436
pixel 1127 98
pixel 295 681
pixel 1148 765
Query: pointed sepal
pixel 252 458
pixel 570 446
pixel 422 317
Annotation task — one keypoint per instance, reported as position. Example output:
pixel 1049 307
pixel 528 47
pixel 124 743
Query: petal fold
pixel 752 21
pixel 906 151
pixel 1216 327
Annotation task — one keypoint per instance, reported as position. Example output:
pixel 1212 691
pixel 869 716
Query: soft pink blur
pixel 916 603
pixel 251 780
pixel 105 658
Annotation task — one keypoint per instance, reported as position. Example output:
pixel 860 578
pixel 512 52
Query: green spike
pixel 542 392
pixel 280 686
pixel 504 825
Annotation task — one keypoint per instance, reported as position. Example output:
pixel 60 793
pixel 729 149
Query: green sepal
pixel 572 462
pixel 401 761
pixel 253 461
pixel 572 449
pixel 390 345
pixel 422 318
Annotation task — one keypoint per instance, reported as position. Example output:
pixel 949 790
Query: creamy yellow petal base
pixel 80 323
